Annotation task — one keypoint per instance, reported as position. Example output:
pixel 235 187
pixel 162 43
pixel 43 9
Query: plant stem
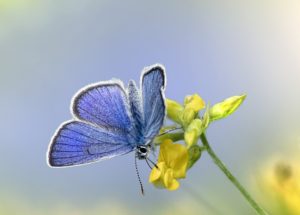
pixel 233 179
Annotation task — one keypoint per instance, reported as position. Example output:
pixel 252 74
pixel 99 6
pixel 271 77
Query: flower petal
pixel 180 166
pixel 190 137
pixel 187 117
pixel 172 153
pixel 169 181
pixel 156 173
pixel 194 102
pixel 175 156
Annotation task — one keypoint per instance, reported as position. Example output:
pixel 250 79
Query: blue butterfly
pixel 109 120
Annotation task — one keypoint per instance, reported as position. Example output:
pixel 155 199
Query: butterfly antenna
pixel 154 164
pixel 168 131
pixel 139 178
pixel 148 163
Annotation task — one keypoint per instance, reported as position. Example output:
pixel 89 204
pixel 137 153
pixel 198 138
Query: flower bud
pixel 193 132
pixel 194 155
pixel 225 108
pixel 187 117
pixel 174 110
pixel 206 119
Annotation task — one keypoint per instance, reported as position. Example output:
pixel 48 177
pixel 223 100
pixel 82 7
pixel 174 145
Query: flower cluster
pixel 191 119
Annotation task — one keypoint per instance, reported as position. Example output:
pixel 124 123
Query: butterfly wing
pixel 136 109
pixel 78 143
pixel 104 104
pixel 103 130
pixel 153 85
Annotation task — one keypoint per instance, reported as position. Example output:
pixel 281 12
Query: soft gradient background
pixel 50 49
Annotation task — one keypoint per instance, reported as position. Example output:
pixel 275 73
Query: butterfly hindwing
pixel 78 143
pixel 135 102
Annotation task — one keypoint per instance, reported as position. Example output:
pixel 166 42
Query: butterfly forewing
pixel 105 104
pixel 153 85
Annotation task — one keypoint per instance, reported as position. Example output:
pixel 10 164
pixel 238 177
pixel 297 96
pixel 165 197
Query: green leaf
pixel 226 107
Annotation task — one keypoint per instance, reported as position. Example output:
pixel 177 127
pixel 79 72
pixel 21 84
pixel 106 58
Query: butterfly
pixel 110 120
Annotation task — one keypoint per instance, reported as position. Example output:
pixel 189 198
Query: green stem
pixel 233 179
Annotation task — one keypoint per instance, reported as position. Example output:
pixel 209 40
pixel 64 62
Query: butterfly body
pixel 110 120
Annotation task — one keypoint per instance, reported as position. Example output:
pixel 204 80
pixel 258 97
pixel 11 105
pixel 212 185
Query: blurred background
pixel 50 49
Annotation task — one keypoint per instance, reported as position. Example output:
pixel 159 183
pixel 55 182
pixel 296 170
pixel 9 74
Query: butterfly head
pixel 142 151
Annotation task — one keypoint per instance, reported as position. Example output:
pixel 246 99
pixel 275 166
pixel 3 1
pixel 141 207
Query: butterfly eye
pixel 143 150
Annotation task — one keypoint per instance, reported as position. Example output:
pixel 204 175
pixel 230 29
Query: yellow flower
pixel 184 115
pixel 172 165
pixel 187 117
pixel 194 102
pixel 192 105
pixel 280 184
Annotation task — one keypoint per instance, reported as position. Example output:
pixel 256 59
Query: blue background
pixel 50 49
